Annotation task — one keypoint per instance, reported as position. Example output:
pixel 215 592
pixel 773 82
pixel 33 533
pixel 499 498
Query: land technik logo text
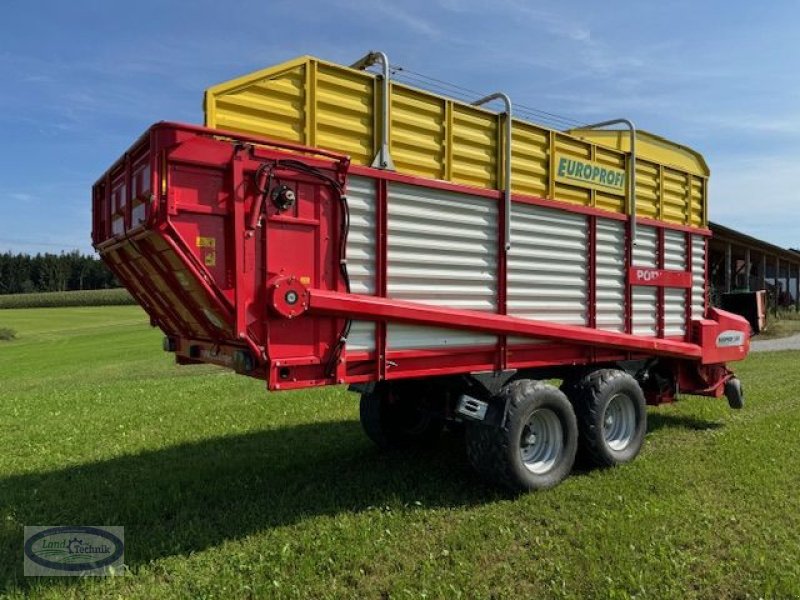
pixel 73 550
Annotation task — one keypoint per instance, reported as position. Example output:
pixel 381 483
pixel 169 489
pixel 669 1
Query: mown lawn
pixel 786 324
pixel 226 491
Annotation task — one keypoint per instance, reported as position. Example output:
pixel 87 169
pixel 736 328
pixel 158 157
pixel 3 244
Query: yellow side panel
pixel 473 145
pixel 324 105
pixel 698 215
pixel 417 142
pixel 648 147
pixel 647 186
pixel 569 193
pixel 529 162
pixel 676 196
pixel 344 109
pixel 273 106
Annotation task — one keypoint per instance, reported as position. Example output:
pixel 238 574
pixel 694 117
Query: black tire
pixel 734 392
pixel 605 442
pixel 497 452
pixel 398 417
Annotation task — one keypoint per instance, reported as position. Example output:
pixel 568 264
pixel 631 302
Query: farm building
pixel 739 262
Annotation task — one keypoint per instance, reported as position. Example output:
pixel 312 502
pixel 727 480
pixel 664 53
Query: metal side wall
pixel 610 275
pixel 674 298
pixel 645 298
pixel 441 250
pixel 698 276
pixel 361 254
pixel 547 266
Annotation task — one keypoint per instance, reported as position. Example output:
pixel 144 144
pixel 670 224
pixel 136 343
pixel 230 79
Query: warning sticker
pixel 208 245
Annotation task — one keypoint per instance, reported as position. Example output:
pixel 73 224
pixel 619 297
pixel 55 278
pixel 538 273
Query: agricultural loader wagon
pixel 330 225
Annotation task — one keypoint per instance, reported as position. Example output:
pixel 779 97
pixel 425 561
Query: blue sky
pixel 82 79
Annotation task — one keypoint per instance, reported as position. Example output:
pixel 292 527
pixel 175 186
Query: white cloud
pixel 411 20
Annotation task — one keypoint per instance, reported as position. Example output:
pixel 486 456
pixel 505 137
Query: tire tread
pixel 587 408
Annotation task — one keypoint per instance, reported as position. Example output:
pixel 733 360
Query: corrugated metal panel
pixel 644 317
pixel 361 254
pixel 474 147
pixel 271 105
pixel 530 148
pixel 647 194
pixel 644 310
pixel 674 298
pixel 644 252
pixel 674 311
pixel 649 146
pixel 676 197
pixel 610 280
pixel 674 250
pixel 330 106
pixel 417 132
pixel 342 113
pixel 441 250
pixel 698 276
pixel 698 213
pixel 547 266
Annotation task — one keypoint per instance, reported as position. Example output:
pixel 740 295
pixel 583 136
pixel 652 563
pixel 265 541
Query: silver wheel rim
pixel 542 441
pixel 619 422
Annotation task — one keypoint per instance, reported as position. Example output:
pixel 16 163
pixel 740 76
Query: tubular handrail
pixel 632 175
pixel 383 159
pixel 507 195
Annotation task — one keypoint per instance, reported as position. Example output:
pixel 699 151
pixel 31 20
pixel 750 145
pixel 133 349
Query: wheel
pixel 398 416
pixel 734 393
pixel 535 447
pixel 612 417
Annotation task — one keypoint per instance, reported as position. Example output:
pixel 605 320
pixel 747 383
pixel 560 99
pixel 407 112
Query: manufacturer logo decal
pixel 730 338
pixel 587 173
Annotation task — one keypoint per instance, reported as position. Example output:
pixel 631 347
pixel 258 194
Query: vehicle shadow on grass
pixel 194 496
pixel 657 420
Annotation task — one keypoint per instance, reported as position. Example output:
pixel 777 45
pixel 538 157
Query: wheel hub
pixel 619 422
pixel 542 441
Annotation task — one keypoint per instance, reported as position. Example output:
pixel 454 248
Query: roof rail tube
pixel 383 159
pixel 632 175
pixel 507 198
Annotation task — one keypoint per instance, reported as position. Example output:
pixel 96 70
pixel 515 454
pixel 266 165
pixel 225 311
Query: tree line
pixel 25 273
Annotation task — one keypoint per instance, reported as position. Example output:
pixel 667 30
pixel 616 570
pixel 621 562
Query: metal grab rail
pixel 632 175
pixel 383 159
pixel 507 197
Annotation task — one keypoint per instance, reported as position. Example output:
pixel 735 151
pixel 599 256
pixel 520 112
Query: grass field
pixel 226 491
pixel 786 324
pixel 110 297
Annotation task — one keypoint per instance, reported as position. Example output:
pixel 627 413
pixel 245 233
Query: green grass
pixel 112 297
pixel 226 491
pixel 786 323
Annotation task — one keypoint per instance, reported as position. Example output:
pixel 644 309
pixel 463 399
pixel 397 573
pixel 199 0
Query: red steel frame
pixel 250 318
